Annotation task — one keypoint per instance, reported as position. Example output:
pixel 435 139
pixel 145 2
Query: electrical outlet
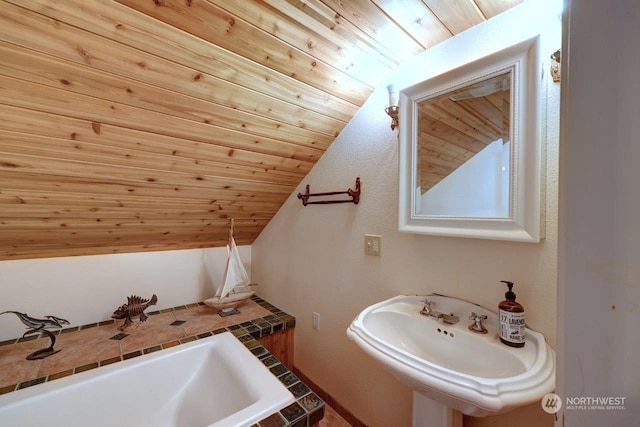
pixel 315 321
pixel 372 245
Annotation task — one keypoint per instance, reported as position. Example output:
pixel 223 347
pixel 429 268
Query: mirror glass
pixel 471 150
pixel 463 150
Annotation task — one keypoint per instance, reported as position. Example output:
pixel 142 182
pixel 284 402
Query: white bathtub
pixel 214 382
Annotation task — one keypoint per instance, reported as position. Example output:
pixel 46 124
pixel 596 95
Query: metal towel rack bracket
pixel 354 194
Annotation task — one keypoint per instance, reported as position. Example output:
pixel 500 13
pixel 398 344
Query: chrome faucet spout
pixel 450 318
pixel 431 313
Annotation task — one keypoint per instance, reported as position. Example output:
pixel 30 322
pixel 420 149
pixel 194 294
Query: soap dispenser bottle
pixel 512 326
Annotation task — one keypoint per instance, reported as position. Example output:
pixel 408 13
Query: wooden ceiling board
pixel 287 23
pixel 213 24
pixel 491 8
pixel 378 27
pixel 363 51
pixel 55 73
pixel 417 20
pixel 58 101
pixel 79 131
pixel 123 207
pixel 210 73
pixel 457 16
pixel 60 187
pixel 144 125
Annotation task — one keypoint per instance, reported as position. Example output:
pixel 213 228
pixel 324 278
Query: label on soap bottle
pixel 512 326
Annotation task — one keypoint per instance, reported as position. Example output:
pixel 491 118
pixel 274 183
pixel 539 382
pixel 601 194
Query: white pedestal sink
pixel 430 413
pixel 449 364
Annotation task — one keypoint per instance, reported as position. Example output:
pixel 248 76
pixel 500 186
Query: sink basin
pixel 465 370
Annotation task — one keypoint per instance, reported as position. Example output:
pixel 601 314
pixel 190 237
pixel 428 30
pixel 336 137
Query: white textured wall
pixel 310 259
pixel 88 289
pixel 600 200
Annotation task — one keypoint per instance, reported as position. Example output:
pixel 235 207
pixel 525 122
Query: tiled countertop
pixel 100 344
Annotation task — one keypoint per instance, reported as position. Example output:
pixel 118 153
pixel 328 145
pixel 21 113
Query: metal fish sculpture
pixel 135 306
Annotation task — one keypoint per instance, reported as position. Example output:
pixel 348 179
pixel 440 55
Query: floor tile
pixel 332 419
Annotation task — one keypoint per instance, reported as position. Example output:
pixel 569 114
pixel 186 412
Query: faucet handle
pixel 477 325
pixel 476 317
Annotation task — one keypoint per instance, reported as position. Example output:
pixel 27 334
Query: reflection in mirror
pixel 463 150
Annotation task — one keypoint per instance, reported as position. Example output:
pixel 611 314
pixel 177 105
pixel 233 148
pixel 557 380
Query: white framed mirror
pixel 471 150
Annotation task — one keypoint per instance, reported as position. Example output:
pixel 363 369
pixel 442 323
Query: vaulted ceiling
pixel 141 125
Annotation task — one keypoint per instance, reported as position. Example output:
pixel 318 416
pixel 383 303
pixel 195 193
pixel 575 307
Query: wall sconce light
pixel 393 109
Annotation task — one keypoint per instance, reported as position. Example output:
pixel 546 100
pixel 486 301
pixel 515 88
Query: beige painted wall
pixel 311 259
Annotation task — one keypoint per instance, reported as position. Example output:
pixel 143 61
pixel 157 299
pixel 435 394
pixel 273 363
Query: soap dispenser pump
pixel 512 325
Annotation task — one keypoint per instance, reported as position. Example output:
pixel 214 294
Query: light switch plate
pixel 372 245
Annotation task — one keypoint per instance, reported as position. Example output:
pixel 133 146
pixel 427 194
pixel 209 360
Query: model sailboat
pixel 236 287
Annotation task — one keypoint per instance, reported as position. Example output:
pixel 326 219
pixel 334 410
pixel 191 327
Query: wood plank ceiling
pixel 141 125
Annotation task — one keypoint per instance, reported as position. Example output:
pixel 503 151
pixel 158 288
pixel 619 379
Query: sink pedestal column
pixel 429 413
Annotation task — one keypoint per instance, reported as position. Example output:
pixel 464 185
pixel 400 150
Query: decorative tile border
pixel 305 412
